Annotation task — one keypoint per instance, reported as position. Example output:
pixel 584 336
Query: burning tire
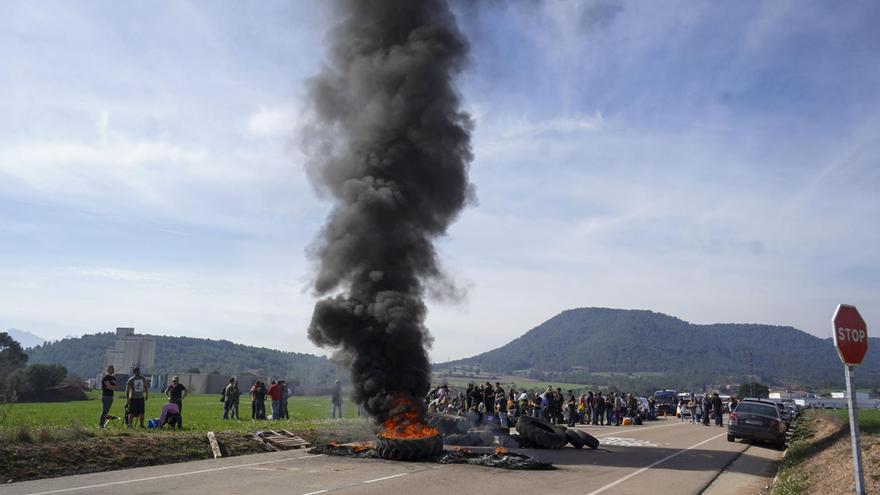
pixel 540 433
pixel 589 440
pixel 409 449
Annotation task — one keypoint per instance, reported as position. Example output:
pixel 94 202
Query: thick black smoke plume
pixel 392 147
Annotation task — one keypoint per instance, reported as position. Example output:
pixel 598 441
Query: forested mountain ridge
pixel 85 357
pixel 589 340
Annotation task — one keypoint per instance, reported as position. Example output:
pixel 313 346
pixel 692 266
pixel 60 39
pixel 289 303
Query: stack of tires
pixel 537 433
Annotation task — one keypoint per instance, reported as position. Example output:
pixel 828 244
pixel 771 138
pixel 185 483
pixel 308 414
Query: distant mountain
pixel 85 357
pixel 26 339
pixel 589 342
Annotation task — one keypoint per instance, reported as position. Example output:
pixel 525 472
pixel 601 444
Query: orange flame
pixel 405 422
pixel 500 451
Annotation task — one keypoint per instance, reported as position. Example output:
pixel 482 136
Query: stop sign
pixel 850 334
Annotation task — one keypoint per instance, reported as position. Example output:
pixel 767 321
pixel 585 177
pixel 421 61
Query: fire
pixel 500 451
pixel 406 422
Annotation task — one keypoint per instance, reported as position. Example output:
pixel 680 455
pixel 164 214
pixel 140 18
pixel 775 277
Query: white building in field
pixel 130 350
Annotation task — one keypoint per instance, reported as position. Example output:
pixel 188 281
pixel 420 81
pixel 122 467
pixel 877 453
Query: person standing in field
pixel 336 399
pixel 285 395
pixel 230 400
pixel 108 386
pixel 175 392
pixel 275 396
pixel 137 393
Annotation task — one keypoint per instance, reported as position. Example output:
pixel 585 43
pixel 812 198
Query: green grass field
pixel 201 412
pixel 869 420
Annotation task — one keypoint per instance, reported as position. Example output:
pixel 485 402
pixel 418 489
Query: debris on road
pixel 501 458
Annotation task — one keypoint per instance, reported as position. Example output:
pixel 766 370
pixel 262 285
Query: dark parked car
pixel 757 420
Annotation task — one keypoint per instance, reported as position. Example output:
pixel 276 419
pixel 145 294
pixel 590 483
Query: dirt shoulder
pixel 822 463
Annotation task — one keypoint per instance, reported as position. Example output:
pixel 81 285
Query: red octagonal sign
pixel 850 334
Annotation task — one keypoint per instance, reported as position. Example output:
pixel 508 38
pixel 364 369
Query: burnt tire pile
pixel 537 433
pixel 409 449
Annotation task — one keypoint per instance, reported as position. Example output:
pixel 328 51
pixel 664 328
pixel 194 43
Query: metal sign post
pixel 854 430
pixel 850 335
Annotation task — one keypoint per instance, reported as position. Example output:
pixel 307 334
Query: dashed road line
pixel 387 477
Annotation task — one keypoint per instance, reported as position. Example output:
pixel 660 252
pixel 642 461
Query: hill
pixel 85 355
pixel 26 339
pixel 586 345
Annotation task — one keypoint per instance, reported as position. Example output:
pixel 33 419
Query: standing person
pixel 572 409
pixel 137 393
pixel 489 400
pixel 175 392
pixel 253 392
pixel 692 407
pixel 336 399
pixel 718 408
pixel 600 409
pixel 230 399
pixel 682 407
pixel 285 395
pixel 707 407
pixel 733 404
pixel 275 397
pixel 108 386
pixel 260 395
pixel 501 406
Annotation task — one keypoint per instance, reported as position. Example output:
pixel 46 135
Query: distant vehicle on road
pixel 665 401
pixel 757 420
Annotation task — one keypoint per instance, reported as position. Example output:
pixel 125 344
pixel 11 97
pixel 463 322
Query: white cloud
pixel 523 127
pixel 281 121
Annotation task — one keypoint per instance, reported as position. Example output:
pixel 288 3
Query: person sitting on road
pixel 171 415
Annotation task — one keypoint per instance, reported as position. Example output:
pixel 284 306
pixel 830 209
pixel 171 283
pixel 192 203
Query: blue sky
pixel 713 161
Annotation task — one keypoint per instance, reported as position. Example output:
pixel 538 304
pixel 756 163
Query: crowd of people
pixel 137 392
pixel 701 409
pixel 278 393
pixel 494 404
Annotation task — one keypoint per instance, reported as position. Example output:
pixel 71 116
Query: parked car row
pixel 763 420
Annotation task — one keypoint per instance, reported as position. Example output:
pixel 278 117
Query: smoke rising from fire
pixel 391 146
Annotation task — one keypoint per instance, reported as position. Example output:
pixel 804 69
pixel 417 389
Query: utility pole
pixel 751 376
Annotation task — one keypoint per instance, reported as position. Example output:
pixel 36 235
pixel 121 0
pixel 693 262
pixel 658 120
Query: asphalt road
pixel 666 457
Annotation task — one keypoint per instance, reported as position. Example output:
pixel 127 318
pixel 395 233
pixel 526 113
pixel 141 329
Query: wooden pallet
pixel 283 440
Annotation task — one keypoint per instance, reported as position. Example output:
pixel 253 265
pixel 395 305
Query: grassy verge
pixel 813 446
pixel 792 480
pixel 40 440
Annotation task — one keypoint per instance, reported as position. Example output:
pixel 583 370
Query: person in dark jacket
pixel 707 407
pixel 336 399
pixel 718 408
pixel 489 400
pixel 108 386
pixel 572 408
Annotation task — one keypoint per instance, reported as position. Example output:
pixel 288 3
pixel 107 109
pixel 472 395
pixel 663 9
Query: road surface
pixel 667 457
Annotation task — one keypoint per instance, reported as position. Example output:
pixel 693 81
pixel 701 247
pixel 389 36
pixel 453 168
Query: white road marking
pixel 387 477
pixel 174 475
pixel 620 442
pixel 649 466
pixel 315 493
